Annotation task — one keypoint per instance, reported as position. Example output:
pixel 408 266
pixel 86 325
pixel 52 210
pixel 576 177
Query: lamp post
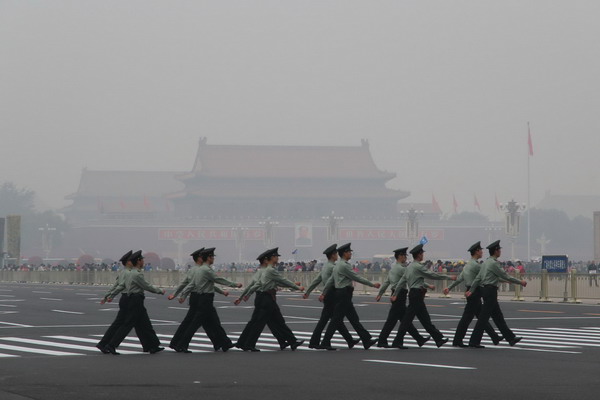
pixel 412 224
pixel 333 226
pixel 239 234
pixel 513 212
pixel 46 239
pixel 268 225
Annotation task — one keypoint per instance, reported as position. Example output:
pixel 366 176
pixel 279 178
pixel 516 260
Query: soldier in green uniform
pixel 193 303
pixel 341 283
pixel 414 277
pixel 202 282
pixel 134 284
pixel 473 307
pixel 241 343
pixel 398 307
pixel 490 274
pixel 266 304
pixel 328 301
pixel 120 318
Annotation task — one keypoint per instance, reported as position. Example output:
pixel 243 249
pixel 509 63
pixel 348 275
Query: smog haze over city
pixel 445 92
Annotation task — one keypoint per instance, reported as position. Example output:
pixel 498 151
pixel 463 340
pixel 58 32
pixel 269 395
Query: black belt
pixel 494 286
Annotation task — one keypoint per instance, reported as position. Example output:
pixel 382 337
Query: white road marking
pixel 12 300
pixel 84 340
pixel 420 364
pixel 109 309
pixel 289 305
pixel 7 305
pixel 48 298
pixel 68 312
pixel 13 324
pixel 7 295
pixel 37 351
pixel 37 291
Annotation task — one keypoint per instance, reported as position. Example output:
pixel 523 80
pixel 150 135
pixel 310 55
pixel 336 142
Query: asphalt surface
pixel 48 332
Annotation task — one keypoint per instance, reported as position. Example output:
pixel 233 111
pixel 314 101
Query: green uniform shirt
pixel 491 273
pixel 468 274
pixel 323 277
pixel 254 284
pixel 415 276
pixel 183 283
pixel 118 281
pixel 203 280
pixel 343 275
pixel 396 272
pixel 271 279
pixel 134 283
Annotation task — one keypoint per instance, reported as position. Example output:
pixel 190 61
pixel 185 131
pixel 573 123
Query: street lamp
pixel 333 226
pixel 513 211
pixel 239 234
pixel 46 239
pixel 412 223
pixel 268 225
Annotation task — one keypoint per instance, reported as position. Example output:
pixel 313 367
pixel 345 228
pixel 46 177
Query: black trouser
pixel 472 309
pixel 416 308
pixel 344 308
pixel 274 328
pixel 490 308
pixel 136 316
pixel 185 324
pixel 205 316
pixel 268 312
pixel 119 319
pixel 396 313
pixel 326 315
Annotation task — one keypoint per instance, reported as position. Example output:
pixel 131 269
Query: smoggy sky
pixel 443 90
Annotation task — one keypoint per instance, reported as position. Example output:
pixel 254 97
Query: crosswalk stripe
pixel 50 344
pixel 84 340
pixel 37 351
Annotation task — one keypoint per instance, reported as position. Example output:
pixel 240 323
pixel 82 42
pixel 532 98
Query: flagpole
pixel 528 194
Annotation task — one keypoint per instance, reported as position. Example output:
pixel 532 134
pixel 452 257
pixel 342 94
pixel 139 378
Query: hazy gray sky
pixel 443 90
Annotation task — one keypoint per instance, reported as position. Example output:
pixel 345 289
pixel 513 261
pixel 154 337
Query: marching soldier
pixel 202 282
pixel 136 315
pixel 192 304
pixel 473 307
pixel 341 283
pixel 328 302
pixel 246 294
pixel 415 278
pixel 267 309
pixel 398 308
pixel 490 274
pixel 120 318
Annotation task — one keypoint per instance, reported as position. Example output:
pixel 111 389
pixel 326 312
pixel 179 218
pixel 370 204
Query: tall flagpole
pixel 528 194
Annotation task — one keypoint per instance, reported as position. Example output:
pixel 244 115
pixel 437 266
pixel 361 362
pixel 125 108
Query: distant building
pixel 573 205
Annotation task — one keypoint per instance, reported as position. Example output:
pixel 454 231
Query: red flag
pixel 167 205
pixel 529 142
pixel 477 203
pixel 122 203
pixel 436 205
pixel 497 203
pixel 455 204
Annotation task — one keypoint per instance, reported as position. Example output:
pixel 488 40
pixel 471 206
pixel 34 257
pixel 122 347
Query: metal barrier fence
pixel 570 287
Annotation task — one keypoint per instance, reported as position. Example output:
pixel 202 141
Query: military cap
pixel 126 257
pixel 400 252
pixel 197 253
pixel 263 255
pixel 494 246
pixel 417 250
pixel 274 252
pixel 344 248
pixel 475 247
pixel 136 256
pixel 210 252
pixel 330 250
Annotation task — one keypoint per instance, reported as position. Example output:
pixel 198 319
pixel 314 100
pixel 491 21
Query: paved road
pixel 48 332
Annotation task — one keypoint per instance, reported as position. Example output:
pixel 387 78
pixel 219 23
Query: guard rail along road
pixel 567 287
